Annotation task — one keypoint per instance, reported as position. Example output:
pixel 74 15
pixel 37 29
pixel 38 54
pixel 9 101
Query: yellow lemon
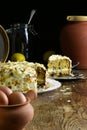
pixel 18 57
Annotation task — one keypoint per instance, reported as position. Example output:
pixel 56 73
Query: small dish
pixel 76 75
pixel 4 45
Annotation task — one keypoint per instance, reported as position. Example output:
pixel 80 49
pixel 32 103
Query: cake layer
pixel 59 65
pixel 41 73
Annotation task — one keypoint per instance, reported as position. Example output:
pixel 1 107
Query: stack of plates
pixel 4 44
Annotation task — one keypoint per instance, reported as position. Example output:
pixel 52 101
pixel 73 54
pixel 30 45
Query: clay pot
pixel 15 117
pixel 73 40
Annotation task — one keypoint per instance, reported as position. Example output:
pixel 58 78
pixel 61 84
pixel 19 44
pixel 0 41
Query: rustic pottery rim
pixel 15 105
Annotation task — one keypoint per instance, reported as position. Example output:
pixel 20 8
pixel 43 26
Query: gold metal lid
pixel 76 18
pixel 4 45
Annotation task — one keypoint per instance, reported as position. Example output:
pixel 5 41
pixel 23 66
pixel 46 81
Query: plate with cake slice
pixel 60 67
pixel 23 76
pixel 51 84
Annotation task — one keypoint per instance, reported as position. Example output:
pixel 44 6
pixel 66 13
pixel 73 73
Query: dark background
pixel 49 19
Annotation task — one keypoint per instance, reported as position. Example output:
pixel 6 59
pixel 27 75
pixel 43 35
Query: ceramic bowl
pixel 15 117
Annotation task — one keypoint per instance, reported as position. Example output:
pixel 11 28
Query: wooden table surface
pixel 62 109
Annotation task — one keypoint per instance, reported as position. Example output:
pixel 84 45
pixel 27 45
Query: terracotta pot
pixel 73 40
pixel 15 117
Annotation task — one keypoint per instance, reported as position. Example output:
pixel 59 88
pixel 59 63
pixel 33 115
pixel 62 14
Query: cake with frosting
pixel 22 76
pixel 59 65
pixel 40 71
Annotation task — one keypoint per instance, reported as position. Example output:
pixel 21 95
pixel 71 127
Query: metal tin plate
pixel 4 44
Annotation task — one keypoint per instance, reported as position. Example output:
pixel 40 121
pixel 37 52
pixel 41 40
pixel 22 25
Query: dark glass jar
pixel 21 40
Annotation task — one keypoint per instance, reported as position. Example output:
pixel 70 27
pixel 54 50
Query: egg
pixel 31 94
pixel 6 90
pixel 16 98
pixel 3 98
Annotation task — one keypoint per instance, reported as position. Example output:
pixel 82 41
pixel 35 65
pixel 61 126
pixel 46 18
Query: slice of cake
pixel 22 76
pixel 41 72
pixel 59 65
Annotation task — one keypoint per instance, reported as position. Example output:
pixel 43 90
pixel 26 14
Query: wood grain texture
pixel 61 109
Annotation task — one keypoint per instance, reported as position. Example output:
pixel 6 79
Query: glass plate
pixel 51 84
pixel 4 44
pixel 76 75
